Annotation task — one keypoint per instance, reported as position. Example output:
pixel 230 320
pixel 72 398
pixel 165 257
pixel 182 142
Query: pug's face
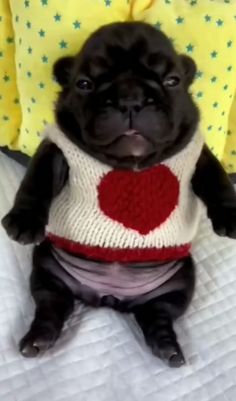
pixel 124 97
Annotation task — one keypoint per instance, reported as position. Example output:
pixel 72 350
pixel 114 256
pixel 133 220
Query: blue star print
pixel 214 54
pixel 219 22
pixel 42 33
pixel 199 94
pixel 179 20
pixel 6 78
pixel 44 59
pixel 199 74
pixel 189 48
pixel 207 18
pixel 158 25
pixel 57 17
pixel 63 44
pixel 77 24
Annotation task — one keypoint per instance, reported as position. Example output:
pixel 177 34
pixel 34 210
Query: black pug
pixel 125 109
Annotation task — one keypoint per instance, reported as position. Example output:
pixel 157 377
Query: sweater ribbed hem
pixel 121 255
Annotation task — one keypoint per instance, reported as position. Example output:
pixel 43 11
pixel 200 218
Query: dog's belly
pixel 124 282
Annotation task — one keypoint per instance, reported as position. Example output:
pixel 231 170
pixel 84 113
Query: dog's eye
pixel 84 85
pixel 171 81
pixel 108 102
pixel 150 101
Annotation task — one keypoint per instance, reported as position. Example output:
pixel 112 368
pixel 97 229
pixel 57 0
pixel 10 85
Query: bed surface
pixel 102 355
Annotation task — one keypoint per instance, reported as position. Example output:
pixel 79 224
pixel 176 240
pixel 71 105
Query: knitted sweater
pixel 122 215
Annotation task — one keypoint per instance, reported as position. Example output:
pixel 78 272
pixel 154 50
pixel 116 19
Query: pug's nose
pixel 130 105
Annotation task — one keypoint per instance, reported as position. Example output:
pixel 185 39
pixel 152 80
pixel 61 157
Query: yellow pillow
pixel 206 31
pixel 229 157
pixel 10 113
pixel 46 30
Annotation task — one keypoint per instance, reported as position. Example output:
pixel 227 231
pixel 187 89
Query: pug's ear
pixel 62 69
pixel 189 68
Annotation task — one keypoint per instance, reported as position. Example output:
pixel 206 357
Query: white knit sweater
pixel 118 215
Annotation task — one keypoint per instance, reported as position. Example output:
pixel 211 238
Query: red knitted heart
pixel 141 200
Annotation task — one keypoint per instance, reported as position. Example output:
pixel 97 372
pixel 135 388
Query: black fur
pixel 129 65
pixel 166 123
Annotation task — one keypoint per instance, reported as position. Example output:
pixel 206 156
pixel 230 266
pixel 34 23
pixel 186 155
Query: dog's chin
pixel 130 150
pixel 134 145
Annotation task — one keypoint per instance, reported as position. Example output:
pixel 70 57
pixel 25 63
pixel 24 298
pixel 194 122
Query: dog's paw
pixel 170 353
pixel 166 347
pixel 38 341
pixel 223 220
pixel 24 226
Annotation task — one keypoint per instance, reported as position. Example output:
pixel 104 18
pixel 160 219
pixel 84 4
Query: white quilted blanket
pixel 101 355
